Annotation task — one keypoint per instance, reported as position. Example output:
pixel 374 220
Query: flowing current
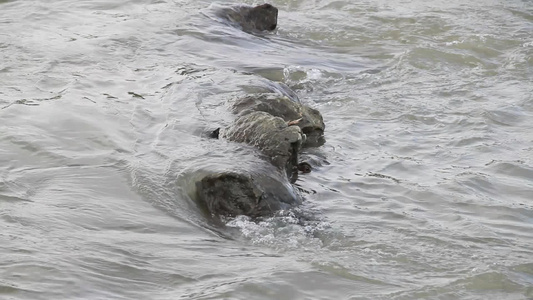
pixel 423 190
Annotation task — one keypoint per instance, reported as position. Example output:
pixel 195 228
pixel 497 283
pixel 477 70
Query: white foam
pixel 284 231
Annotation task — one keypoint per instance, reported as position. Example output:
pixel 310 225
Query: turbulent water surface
pixel 423 189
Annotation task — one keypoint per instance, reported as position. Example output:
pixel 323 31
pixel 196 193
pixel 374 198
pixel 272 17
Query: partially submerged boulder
pixel 308 119
pixel 278 128
pixel 271 135
pixel 251 192
pixel 259 18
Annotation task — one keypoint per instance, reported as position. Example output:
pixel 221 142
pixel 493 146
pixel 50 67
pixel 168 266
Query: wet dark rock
pixel 305 167
pixel 271 135
pixel 214 134
pixel 255 192
pixel 259 18
pixel 308 119
pixel 278 128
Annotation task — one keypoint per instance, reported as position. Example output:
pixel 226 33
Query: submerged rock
pixel 259 18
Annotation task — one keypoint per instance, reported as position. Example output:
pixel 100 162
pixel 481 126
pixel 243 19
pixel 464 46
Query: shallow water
pixel 425 184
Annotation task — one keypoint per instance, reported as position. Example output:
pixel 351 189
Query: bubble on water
pixel 299 74
pixel 453 43
pixel 314 74
pixel 287 230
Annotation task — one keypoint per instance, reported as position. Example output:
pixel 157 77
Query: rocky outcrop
pixel 274 138
pixel 275 126
pixel 309 120
pixel 258 189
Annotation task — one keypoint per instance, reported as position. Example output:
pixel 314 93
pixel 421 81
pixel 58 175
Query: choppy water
pixel 425 187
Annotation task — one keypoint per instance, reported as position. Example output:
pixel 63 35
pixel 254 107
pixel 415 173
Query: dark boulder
pixel 308 119
pixel 254 192
pixel 259 18
pixel 271 135
pixel 278 128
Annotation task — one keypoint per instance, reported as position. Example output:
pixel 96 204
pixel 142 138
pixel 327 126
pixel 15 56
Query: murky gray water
pixel 424 191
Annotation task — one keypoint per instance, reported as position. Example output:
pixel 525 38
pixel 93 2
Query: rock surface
pixel 255 192
pixel 275 126
pixel 259 18
pixel 308 119
pixel 278 128
pixel 271 135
